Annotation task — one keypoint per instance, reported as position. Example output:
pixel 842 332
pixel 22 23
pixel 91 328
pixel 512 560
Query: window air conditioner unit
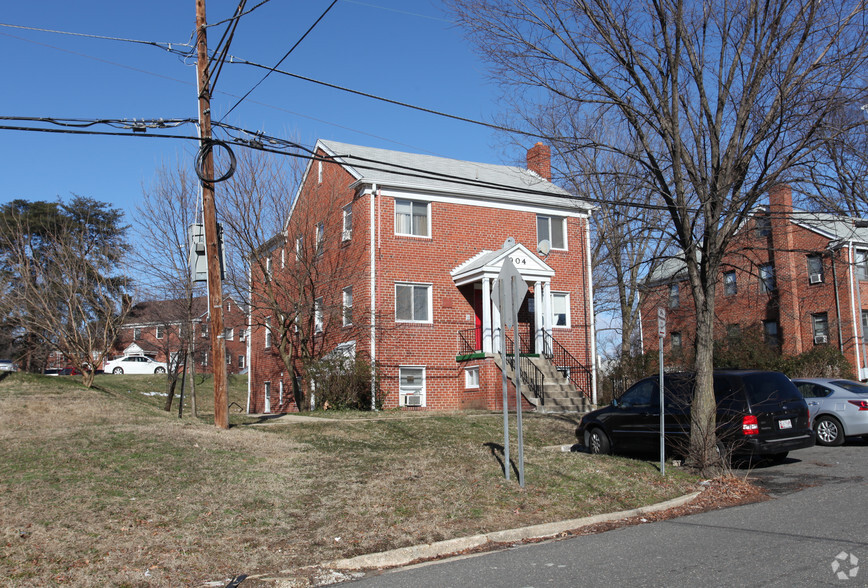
pixel 818 339
pixel 815 278
pixel 412 400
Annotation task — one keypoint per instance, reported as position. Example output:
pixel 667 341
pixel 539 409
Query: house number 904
pixel 519 261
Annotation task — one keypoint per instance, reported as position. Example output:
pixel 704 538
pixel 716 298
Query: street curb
pixel 406 555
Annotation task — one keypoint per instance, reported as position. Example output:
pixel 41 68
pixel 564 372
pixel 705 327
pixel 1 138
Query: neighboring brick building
pixel 796 277
pixel 406 249
pixel 153 328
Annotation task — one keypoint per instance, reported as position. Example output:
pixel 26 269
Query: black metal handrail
pixel 531 376
pixel 578 374
pixel 467 341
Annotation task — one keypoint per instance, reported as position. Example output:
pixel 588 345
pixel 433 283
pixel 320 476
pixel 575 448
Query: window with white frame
pixel 674 295
pixel 228 359
pixel 471 377
pixel 282 257
pixel 820 323
pixel 268 333
pixel 347 310
pixel 137 334
pixel 730 286
pixel 675 341
pixel 205 358
pixel 320 237
pixel 268 267
pixel 347 231
pixel 862 264
pixel 317 316
pixel 413 303
pixel 561 309
pixel 299 247
pixel 159 331
pixel 241 362
pixel 267 394
pixel 767 278
pixel 242 334
pixel 229 334
pixel 412 218
pixel 203 330
pixel 763 226
pixel 411 387
pixel 815 268
pixel 319 172
pixel 552 229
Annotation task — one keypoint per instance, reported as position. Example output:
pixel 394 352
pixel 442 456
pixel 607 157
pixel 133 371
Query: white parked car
pixel 7 365
pixel 135 364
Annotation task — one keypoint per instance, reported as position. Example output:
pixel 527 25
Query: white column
pixel 538 315
pixel 496 324
pixel 548 315
pixel 486 315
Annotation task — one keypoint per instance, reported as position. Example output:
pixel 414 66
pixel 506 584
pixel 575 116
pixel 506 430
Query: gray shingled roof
pixel 427 173
pixel 836 228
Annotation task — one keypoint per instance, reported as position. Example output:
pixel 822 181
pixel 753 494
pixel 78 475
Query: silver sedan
pixel 839 408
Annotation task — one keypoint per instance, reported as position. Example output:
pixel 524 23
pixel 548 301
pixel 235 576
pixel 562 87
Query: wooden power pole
pixel 209 211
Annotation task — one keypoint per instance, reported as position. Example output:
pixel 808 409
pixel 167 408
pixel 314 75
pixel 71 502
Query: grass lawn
pixel 101 487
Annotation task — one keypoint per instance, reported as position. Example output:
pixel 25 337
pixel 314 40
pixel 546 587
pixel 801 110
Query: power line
pixel 262 142
pixel 221 50
pixel 274 69
pixel 291 49
pixel 162 45
pixel 225 20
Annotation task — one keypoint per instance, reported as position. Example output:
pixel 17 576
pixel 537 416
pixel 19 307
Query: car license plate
pixel 785 424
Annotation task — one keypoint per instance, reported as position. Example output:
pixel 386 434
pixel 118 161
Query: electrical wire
pixel 495 127
pixel 224 21
pixel 260 139
pixel 222 49
pixel 291 49
pixel 162 45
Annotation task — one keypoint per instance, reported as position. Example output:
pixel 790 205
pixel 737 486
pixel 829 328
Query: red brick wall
pixel 791 305
pixel 458 232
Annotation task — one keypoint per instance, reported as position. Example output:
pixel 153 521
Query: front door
pixel 477 311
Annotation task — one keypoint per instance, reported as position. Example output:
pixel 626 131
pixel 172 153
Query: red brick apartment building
pixel 153 329
pixel 799 278
pixel 406 251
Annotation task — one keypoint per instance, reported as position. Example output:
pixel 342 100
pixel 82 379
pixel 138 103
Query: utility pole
pixel 209 211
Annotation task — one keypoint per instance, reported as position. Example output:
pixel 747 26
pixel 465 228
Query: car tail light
pixel 862 404
pixel 749 425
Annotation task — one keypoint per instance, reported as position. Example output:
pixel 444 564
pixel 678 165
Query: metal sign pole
pixel 517 356
pixel 499 282
pixel 661 333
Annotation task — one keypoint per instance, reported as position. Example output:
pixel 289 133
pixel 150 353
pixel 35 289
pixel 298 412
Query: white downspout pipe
pixel 591 318
pixel 374 223
pixel 853 302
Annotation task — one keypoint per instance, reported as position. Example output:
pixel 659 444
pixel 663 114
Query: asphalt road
pixel 813 531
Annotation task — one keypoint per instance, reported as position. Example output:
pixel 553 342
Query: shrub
pixel 343 384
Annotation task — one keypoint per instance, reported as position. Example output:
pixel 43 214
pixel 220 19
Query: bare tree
pixel 293 253
pixel 722 100
pixel 62 280
pixel 168 208
pixel 840 178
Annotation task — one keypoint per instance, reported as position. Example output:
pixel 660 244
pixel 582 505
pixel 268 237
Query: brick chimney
pixel 539 160
pixel 787 277
pixel 780 202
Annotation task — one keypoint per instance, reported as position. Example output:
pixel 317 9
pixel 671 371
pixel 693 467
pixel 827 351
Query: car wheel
pixel 160 370
pixel 118 370
pixel 598 442
pixel 829 431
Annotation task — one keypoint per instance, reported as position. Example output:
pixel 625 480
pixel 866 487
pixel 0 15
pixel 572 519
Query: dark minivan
pixel 759 414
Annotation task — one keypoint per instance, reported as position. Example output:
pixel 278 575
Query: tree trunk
pixel 703 413
pixel 170 392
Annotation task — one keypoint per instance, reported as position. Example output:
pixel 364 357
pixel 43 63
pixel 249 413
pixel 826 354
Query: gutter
pixel 592 322
pixel 373 243
pixel 851 261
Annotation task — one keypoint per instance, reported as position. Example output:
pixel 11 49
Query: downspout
pixel 837 303
pixel 591 318
pixel 851 261
pixel 372 234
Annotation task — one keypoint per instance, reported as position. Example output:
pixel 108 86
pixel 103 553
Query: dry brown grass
pixel 97 489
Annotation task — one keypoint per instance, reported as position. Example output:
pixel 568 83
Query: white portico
pixel 484 267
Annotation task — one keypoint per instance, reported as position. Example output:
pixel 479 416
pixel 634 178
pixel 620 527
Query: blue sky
pixel 406 51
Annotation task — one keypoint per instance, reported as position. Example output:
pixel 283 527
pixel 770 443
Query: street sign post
pixel 661 333
pixel 509 292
